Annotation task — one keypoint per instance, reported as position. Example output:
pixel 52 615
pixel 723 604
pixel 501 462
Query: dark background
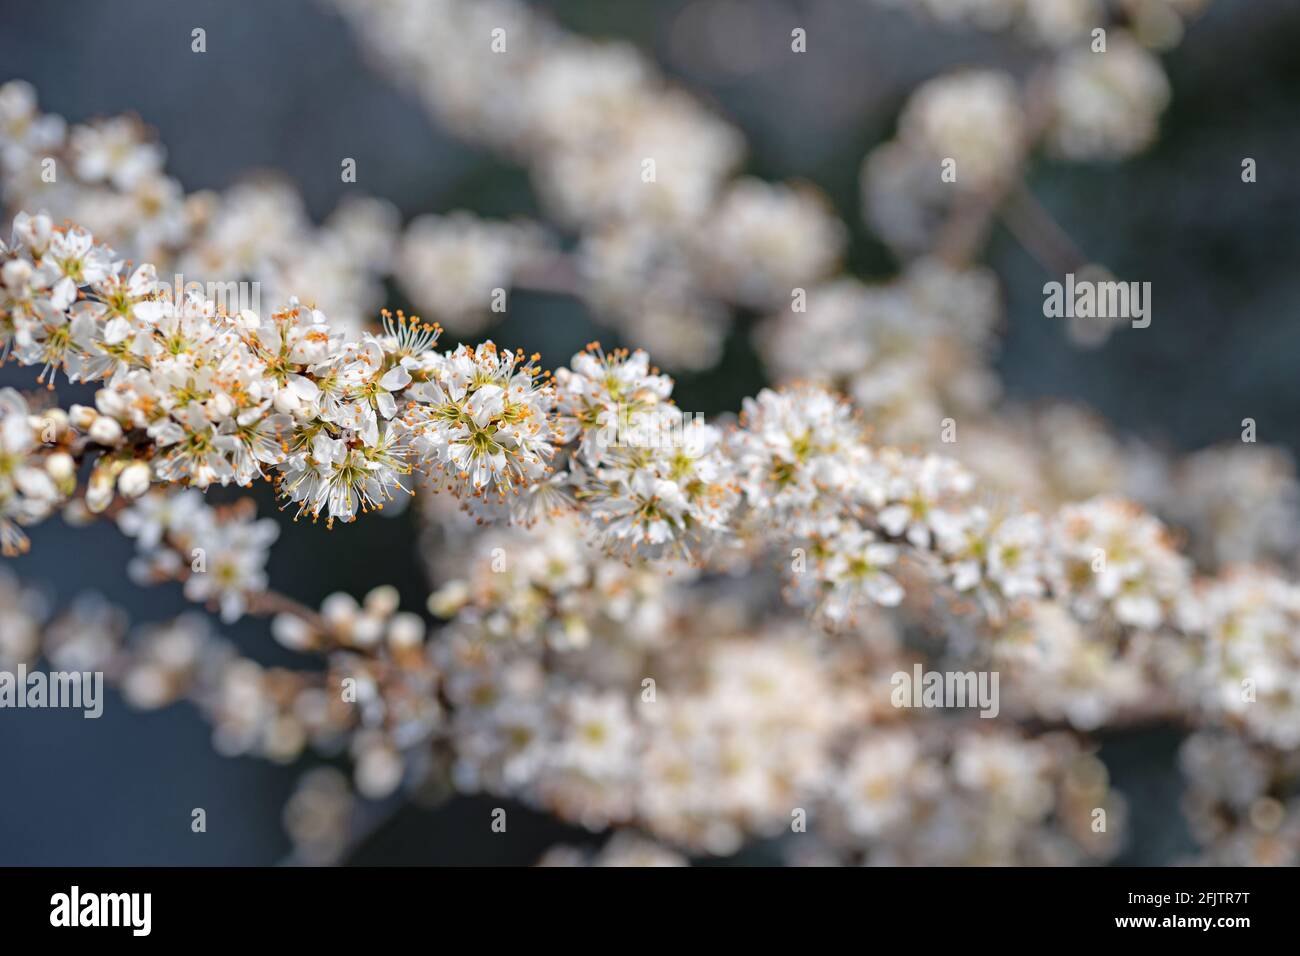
pixel 283 87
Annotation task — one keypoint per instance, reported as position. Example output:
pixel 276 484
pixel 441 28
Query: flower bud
pixel 449 599
pixel 99 490
pixel 60 466
pixel 106 431
pixel 82 417
pixel 378 772
pixel 339 610
pixel 365 632
pixel 292 632
pixel 134 480
pixel 383 601
pixel 406 630
pixel 16 273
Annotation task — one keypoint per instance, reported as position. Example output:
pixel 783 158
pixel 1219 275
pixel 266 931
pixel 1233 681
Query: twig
pixel 1040 234
pixel 270 601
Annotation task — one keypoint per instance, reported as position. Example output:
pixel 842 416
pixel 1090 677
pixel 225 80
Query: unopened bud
pixel 383 600
pixel 448 599
pixel 82 417
pixel 134 480
pixel 105 431
pixel 292 632
pixel 366 632
pixel 60 466
pixel 16 273
pixel 99 490
pixel 405 630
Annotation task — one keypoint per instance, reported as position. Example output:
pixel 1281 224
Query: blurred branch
pixel 1039 233
pixel 555 275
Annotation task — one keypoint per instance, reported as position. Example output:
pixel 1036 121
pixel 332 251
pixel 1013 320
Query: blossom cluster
pixel 964 137
pixel 749 727
pixel 560 732
pixel 195 397
pixel 109 176
pixel 192 395
pixel 609 568
pixel 1059 23
pixel 664 245
pixel 38 471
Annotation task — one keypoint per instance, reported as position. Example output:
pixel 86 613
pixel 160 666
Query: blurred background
pixel 284 87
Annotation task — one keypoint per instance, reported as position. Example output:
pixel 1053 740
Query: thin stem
pixel 969 222
pixel 1039 233
pixel 263 604
pixel 966 229
pixel 270 602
